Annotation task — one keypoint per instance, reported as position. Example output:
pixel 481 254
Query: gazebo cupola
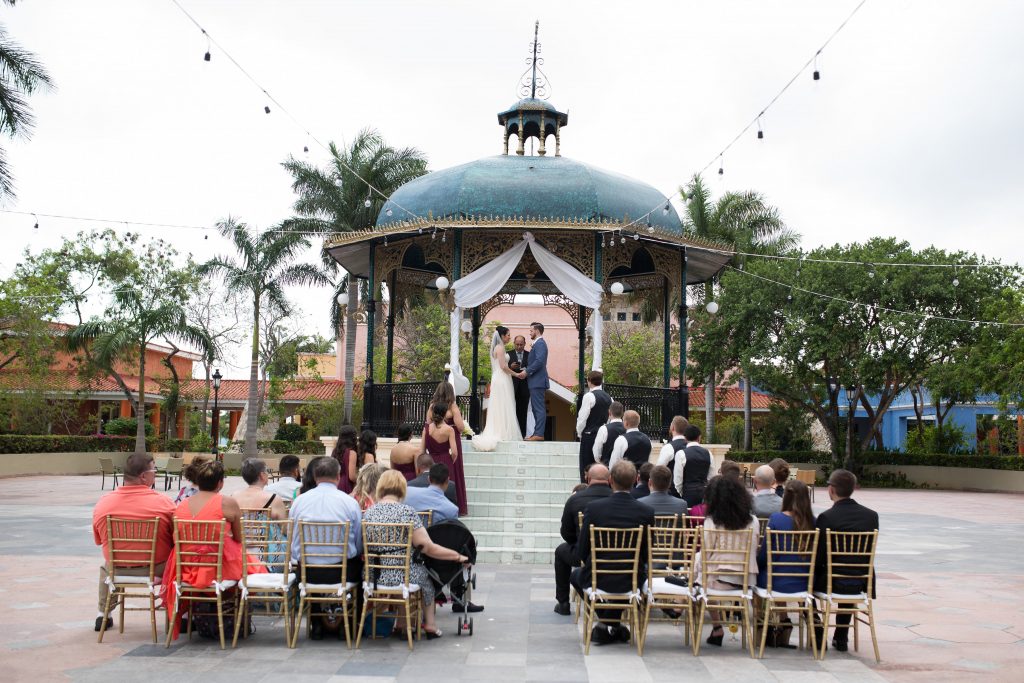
pixel 533 116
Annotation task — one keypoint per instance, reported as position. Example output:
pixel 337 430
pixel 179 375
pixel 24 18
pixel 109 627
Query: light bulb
pixel 206 57
pixel 636 236
pixel 266 110
pixel 367 203
pixel 389 212
pixel 956 282
pixel 617 288
pixel 441 283
pixel 817 75
pixel 305 149
pixel 712 307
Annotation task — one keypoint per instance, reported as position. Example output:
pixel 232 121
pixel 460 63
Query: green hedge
pixel 17 443
pixel 288 447
pixel 810 457
pixel 985 462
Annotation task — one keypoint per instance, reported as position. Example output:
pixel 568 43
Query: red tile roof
pixel 731 398
pixel 294 390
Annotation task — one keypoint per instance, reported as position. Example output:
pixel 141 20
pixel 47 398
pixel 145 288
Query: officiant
pixel 518 357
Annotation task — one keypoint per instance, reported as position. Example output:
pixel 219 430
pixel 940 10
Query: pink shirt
pixel 135 502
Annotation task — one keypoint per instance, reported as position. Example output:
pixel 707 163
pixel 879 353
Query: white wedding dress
pixel 502 424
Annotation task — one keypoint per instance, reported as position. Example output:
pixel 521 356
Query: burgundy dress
pixel 346 484
pixel 439 452
pixel 408 470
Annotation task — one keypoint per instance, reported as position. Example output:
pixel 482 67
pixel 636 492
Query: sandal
pixel 432 635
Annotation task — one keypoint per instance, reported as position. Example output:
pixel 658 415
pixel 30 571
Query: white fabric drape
pixel 458 381
pixel 486 281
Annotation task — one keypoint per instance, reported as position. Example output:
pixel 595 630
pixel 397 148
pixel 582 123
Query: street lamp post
pixel 215 426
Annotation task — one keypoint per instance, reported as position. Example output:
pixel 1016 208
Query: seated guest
pixel 190 489
pixel 619 510
pixel 660 500
pixel 846 514
pixel 565 554
pixel 692 467
pixel 390 509
pixel 607 433
pixel 766 503
pixel 327 503
pixel 728 507
pixel 424 462
pixel 209 504
pixel 308 477
pixel 432 498
pixel 403 453
pixel 254 472
pixel 781 469
pixel 634 445
pixel 287 486
pixel 728 469
pixel 643 479
pixel 366 483
pixel 135 499
pixel 796 515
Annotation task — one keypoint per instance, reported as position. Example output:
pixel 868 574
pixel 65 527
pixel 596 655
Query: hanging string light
pixel 266 109
pixel 36 226
pixel 305 149
pixel 368 202
pixel 721 165
pixel 817 74
pixel 956 279
pixel 206 57
pixel 389 212
pixel 871 270
pixel 760 132
pixel 666 209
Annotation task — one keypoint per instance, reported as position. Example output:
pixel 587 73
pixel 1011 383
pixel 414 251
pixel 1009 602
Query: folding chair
pixel 132 546
pixel 790 555
pixel 851 558
pixel 725 557
pixel 172 470
pixel 324 545
pixel 427 517
pixel 263 544
pixel 613 553
pixel 107 466
pixel 670 552
pixel 667 521
pixel 199 545
pixel 577 599
pixel 388 547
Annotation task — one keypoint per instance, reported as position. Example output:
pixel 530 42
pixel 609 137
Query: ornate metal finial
pixel 534 83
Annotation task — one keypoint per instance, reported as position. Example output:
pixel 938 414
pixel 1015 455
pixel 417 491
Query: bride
pixel 502 424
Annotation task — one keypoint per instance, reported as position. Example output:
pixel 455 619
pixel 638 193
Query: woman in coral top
pixel 208 504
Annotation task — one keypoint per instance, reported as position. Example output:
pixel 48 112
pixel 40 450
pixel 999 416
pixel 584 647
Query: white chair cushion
pixel 659 585
pixel 716 593
pixel 841 597
pixel 268 581
pixel 775 595
pixel 413 588
pixel 226 583
pixel 137 580
pixel 326 587
pixel 605 595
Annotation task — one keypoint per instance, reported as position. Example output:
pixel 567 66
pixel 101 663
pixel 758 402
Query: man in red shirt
pixel 135 499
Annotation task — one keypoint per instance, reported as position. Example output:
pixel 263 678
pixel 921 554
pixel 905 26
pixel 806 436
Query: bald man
pixel 765 500
pixel 598 487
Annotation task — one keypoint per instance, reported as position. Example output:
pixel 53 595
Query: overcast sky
pixel 914 129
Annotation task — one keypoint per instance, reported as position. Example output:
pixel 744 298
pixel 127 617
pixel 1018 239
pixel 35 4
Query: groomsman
pixel 517 360
pixel 592 415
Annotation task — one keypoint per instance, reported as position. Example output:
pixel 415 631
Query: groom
pixel 536 375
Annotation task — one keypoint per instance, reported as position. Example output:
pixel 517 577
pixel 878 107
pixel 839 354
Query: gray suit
pixel 766 503
pixel 664 504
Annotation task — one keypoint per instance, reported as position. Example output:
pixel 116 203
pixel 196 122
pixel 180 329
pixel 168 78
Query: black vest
pixel 698 463
pixel 638 448
pixel 678 444
pixel 615 430
pixel 599 412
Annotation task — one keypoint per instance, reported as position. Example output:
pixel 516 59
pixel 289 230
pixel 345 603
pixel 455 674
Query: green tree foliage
pixel 807 348
pixel 421 345
pixel 264 267
pixel 333 199
pixel 632 354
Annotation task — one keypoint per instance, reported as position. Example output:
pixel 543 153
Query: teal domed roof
pixel 530 187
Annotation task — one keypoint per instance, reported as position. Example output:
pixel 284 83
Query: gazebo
pixel 546 225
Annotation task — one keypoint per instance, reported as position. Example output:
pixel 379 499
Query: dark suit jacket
pixel 576 504
pixel 422 482
pixel 640 491
pixel 845 515
pixel 621 511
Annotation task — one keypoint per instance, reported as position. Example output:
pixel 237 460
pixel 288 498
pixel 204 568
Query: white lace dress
pixel 502 424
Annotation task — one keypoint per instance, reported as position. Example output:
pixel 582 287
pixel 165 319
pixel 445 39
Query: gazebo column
pixel 598 255
pixel 581 371
pixel 476 401
pixel 684 391
pixel 666 315
pixel 540 150
pixel 371 307
pixel 391 328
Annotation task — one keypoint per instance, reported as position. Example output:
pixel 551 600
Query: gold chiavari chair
pixel 614 554
pixel 427 517
pixel 577 599
pixel 850 558
pixel 262 546
pixel 790 557
pixel 762 525
pixel 199 546
pixel 667 521
pixel 255 514
pixel 724 559
pixel 388 548
pixel 132 547
pixel 324 545
pixel 669 585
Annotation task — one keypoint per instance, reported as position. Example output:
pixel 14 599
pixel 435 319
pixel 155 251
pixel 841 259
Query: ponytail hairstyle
pixel 437 413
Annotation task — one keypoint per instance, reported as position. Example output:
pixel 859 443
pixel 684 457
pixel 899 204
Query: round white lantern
pixel 466 326
pixel 441 283
pixel 712 307
pixel 617 288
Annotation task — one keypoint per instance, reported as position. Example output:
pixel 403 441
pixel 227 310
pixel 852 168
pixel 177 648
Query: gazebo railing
pixel 656 405
pixel 388 406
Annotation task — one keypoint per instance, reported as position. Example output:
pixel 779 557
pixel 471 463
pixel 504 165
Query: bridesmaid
pixel 445 395
pixel 403 453
pixel 346 453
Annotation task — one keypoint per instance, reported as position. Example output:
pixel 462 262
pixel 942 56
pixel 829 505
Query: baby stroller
pixel 459 580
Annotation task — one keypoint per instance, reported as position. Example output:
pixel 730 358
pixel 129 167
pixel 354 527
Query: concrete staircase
pixel 516 496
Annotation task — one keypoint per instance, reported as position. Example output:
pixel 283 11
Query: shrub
pixel 810 457
pixel 125 426
pixel 201 442
pixel 290 432
pixel 931 440
pixel 277 447
pixel 12 443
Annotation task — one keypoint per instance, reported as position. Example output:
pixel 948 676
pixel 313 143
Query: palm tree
pixel 333 199
pixel 139 317
pixel 263 270
pixel 20 76
pixel 745 220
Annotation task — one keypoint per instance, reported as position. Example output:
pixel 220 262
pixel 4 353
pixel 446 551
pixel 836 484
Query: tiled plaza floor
pixel 950 607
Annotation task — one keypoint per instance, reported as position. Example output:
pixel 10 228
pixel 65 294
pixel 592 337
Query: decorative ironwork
pixel 389 259
pixel 566 304
pixel 666 262
pixel 618 256
pixel 495 301
pixel 657 406
pixel 388 406
pixel 533 82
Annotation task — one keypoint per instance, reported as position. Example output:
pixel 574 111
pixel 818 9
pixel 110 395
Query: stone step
pixel 517 497
pixel 566 472
pixel 520 484
pixel 510 555
pixel 562 448
pixel 480 508
pixel 513 525
pixel 539 540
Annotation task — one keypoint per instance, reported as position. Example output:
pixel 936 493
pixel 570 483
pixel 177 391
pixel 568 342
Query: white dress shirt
pixel 585 405
pixel 619 449
pixel 599 440
pixel 285 487
pixel 326 503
